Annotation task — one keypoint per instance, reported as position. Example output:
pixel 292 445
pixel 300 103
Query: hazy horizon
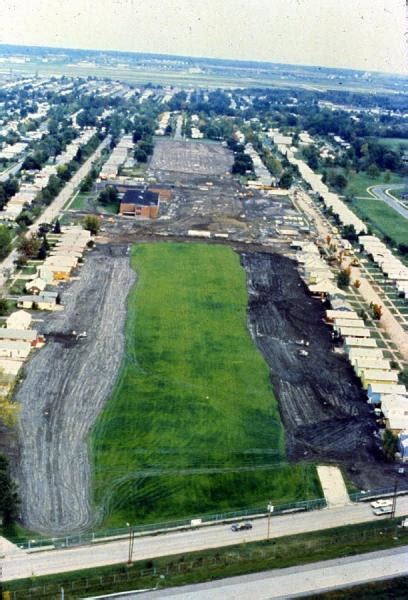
pixel 367 35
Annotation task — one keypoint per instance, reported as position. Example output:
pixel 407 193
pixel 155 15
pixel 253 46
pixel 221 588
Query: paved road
pixel 52 211
pixel 179 125
pixel 380 192
pixel 295 582
pixel 20 564
pixel 11 171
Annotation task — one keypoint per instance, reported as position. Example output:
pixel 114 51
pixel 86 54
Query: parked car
pixel 241 526
pixel 381 503
pixel 383 510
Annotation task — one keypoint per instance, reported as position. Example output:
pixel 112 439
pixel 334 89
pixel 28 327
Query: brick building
pixel 140 203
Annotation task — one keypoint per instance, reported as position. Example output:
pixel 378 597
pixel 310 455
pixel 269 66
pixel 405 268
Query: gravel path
pixel 65 386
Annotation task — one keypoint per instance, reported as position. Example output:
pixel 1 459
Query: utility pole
pixel 131 543
pixel 270 508
pixel 394 499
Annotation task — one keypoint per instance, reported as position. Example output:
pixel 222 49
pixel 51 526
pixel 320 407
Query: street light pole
pixel 270 508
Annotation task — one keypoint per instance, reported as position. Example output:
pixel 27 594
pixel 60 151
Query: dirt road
pixel 63 392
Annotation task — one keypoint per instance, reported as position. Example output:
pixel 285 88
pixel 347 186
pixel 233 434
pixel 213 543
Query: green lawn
pixel 393 143
pixel 359 182
pixel 80 201
pixel 383 218
pixel 192 426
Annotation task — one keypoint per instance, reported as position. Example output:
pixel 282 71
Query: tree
pixel 42 253
pixel 377 311
pixel 8 495
pixel 387 177
pixel 29 247
pixel 92 223
pixel 389 444
pixel 373 171
pixel 3 307
pixel 340 181
pixel 357 284
pixel 57 227
pixel 140 155
pixel 286 180
pixel 5 241
pixel 343 279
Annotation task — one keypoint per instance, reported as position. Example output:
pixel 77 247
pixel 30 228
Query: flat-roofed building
pixel 357 342
pixel 140 203
pixel 378 376
pixel 376 391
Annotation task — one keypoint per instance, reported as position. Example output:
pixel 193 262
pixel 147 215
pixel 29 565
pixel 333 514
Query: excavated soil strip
pixel 322 405
pixel 65 386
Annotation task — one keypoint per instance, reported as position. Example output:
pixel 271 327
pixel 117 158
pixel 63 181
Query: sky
pixel 360 34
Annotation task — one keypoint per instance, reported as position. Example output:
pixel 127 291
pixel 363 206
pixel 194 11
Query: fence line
pixel 251 512
pixel 153 575
pixel 92 537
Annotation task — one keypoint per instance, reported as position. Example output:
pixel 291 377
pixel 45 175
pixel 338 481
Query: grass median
pixel 192 426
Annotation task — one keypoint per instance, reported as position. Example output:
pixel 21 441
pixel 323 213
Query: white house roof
pixel 351 341
pixel 18 334
pixel 349 331
pixel 20 319
pixel 386 388
pixel 342 314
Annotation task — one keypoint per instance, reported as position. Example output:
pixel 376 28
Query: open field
pixel 359 182
pixel 383 218
pixel 393 143
pixel 226 76
pixel 192 426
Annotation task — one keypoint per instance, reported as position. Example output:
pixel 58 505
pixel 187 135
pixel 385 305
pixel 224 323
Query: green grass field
pixel 393 143
pixel 192 426
pixel 359 182
pixel 384 219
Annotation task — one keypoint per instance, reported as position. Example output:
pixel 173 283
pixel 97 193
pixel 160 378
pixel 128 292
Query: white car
pixel 383 510
pixel 381 503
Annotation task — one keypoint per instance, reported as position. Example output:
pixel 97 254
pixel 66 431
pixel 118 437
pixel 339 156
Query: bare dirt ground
pixel 322 405
pixel 191 157
pixel 64 388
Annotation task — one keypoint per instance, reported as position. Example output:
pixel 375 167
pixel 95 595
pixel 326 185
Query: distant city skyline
pixel 358 34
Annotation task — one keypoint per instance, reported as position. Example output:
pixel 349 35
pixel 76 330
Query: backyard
pixel 192 426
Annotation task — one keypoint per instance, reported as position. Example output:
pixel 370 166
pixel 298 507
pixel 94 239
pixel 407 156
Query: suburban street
pixel 52 211
pixel 380 192
pixel 11 171
pixel 18 563
pixel 295 582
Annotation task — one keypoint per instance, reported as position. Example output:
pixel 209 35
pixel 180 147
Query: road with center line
pixel 20 564
pixel 380 192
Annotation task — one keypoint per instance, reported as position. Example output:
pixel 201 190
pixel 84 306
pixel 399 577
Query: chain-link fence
pixel 89 538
